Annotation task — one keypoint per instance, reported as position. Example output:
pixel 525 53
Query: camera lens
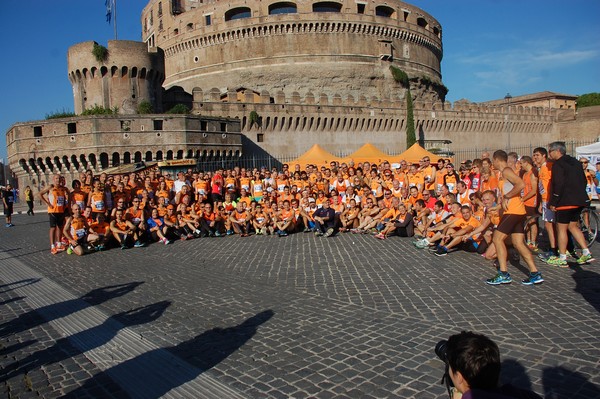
pixel 441 350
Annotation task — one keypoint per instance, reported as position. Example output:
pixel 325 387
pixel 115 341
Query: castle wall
pixel 38 149
pixel 291 124
pixel 130 74
pixel 347 52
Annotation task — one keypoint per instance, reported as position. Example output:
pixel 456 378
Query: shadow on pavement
pixel 515 374
pixel 202 352
pixel 18 284
pixel 84 341
pixel 587 283
pixel 560 382
pixel 37 317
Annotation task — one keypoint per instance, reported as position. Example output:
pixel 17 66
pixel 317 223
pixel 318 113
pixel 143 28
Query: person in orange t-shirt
pixel 511 224
pixel 459 234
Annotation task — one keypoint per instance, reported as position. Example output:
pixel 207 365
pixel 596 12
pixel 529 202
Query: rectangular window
pixel 158 124
pixel 72 127
pixel 125 126
pixel 260 137
pixel 203 126
pixel 37 131
pixel 223 126
pixel 207 20
pixel 360 8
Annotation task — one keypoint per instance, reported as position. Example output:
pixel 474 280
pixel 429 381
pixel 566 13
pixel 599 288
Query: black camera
pixel 441 351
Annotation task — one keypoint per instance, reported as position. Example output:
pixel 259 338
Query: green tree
pixel 145 107
pixel 100 110
pixel 100 52
pixel 411 136
pixel 179 109
pixel 588 100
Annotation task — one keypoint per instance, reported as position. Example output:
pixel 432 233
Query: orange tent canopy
pixel 368 153
pixel 316 155
pixel 415 153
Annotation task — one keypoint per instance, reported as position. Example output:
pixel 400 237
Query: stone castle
pixel 274 78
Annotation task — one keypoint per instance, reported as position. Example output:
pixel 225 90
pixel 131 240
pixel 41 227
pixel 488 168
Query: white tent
pixel 591 152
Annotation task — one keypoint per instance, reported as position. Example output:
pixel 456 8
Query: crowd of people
pixel 481 206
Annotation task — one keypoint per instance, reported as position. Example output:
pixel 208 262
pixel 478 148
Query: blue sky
pixel 491 47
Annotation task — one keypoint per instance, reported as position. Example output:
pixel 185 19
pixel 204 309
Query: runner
pixel 55 196
pixel 511 225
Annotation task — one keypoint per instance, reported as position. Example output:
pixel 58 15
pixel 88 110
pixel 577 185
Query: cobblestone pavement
pixel 300 316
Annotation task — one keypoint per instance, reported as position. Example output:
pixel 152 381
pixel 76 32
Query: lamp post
pixel 508 97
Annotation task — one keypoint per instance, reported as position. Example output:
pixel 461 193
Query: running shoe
pixel 60 248
pixel 534 278
pixel 229 232
pixel 533 247
pixel 7 225
pixel 557 261
pixel 307 230
pixel 381 236
pixel 318 233
pixel 422 244
pixel 69 250
pixel 53 251
pixel 217 234
pixel 583 259
pixel 139 244
pixel 283 234
pixel 499 278
pixel 124 246
pixel 546 255
pixel 441 251
pixel 329 232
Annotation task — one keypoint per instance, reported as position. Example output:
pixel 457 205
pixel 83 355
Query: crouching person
pixel 76 231
pixel 324 219
pixel 157 227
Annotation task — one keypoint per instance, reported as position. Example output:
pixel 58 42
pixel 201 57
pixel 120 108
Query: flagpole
pixel 115 12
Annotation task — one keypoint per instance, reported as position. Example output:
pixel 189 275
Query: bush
pixel 588 100
pixel 179 109
pixel 145 107
pixel 100 110
pixel 60 114
pixel 254 119
pixel 399 76
pixel 100 52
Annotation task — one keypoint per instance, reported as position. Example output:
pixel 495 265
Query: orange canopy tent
pixel 368 153
pixel 415 153
pixel 316 155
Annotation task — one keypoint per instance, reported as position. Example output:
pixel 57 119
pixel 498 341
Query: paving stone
pixel 351 316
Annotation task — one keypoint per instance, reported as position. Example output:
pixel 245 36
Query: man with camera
pixel 473 368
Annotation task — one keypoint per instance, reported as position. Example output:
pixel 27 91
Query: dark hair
pixel 500 155
pixel 541 150
pixel 439 204
pixel 476 357
pixel 420 202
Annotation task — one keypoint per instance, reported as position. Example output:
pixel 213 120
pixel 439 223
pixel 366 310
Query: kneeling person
pixel 76 231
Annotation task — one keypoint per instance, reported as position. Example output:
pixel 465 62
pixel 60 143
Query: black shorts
pixel 511 223
pixel 566 216
pixel 56 219
pixel 531 211
pixel 8 210
pixel 473 246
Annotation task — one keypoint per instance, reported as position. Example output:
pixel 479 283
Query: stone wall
pixel 291 124
pixel 69 145
pixel 130 74
pixel 347 52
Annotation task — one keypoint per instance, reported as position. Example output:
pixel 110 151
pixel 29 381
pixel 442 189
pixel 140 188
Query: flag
pixel 108 4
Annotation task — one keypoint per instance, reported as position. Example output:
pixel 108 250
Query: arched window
pixel 104 160
pixel 422 22
pixel 282 8
pixel 137 157
pixel 127 157
pixel 238 13
pixel 116 159
pixel 159 155
pixel 385 11
pixel 148 155
pixel 327 6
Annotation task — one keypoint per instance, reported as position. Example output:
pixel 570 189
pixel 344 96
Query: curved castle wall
pixel 129 75
pixel 302 46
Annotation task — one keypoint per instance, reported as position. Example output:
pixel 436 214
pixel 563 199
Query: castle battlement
pixel 129 75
